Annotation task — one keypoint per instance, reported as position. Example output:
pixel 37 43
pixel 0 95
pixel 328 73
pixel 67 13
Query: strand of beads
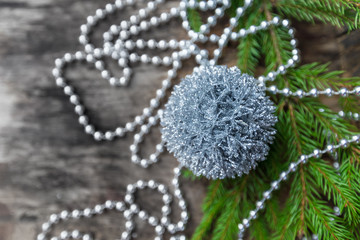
pixel 129 210
pixel 138 138
pixel 314 92
pixel 343 143
pixel 121 51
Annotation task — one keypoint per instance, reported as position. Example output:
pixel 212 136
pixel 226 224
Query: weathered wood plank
pixel 47 163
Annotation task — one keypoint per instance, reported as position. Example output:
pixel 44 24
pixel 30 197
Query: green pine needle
pixel 304 204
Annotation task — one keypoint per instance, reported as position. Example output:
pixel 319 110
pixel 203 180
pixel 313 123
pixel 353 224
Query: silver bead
pixel 275 184
pixel 120 206
pixel 60 82
pixel 166 210
pixel 89 48
pixel 253 214
pixel 68 90
pixel 182 204
pixel 290 62
pixel 154 21
pixel 219 12
pixel 246 222
pixel 98 209
pixel 41 236
pixel 143 215
pixel 109 135
pixel 260 205
pixel 181 225
pixel 303 159
pixel 98 52
pixel 110 8
pixel 167 198
pixel 86 237
pixel 144 25
pixel 267 194
pixel 282 69
pixel 275 20
pixel 343 92
pixel 171 73
pixel 74 99
pixel 45 227
pixel 54 218
pixel 98 136
pixel 90 58
pixel 129 225
pixel 87 212
pixel 252 29
pixel 285 23
pixel 293 43
pixel 292 167
pixel 64 235
pixel 140 184
pixel 159 229
pixel 144 163
pixel 330 148
pixel 75 214
pixel 79 109
pixel 64 215
pixel 299 93
pixel 174 11
pixel 272 89
pixel 75 234
pixel 152 221
pixel 127 214
pixel 314 92
pixel 59 63
pixel 283 176
pixel 89 129
pixel 241 227
pixel 152 184
pixel 129 198
pixel 296 58
pixel 344 143
pixel 143 13
pixel 316 153
pixel 286 92
pixel 184 215
pixel 68 57
pixel 357 91
pixel 328 92
pixel 100 13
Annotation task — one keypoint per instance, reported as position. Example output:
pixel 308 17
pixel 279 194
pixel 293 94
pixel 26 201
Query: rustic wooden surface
pixel 47 163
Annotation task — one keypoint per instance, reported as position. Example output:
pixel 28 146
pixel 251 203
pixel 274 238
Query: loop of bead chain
pixel 118 46
pixel 123 45
pixel 343 92
pixel 129 210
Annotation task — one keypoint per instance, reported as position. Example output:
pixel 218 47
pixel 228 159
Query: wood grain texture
pixel 47 163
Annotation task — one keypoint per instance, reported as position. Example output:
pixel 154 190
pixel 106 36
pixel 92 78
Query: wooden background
pixel 47 163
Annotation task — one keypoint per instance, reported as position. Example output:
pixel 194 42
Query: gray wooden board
pixel 47 163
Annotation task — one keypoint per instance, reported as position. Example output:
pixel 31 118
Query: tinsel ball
pixel 218 122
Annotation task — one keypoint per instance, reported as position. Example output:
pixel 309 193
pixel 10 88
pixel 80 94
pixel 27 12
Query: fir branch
pixel 195 20
pixel 325 223
pixel 338 13
pixel 304 125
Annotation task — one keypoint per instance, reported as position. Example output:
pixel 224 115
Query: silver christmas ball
pixel 218 122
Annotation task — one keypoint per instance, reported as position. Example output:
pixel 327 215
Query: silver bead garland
pixel 119 46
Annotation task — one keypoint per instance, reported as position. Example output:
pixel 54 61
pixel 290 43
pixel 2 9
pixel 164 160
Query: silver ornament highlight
pixel 218 122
